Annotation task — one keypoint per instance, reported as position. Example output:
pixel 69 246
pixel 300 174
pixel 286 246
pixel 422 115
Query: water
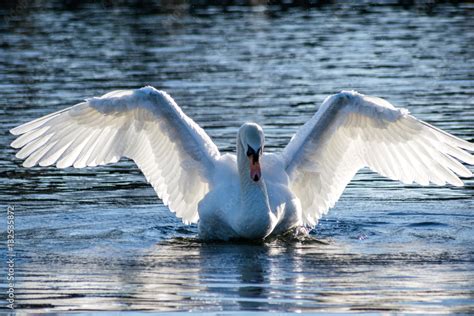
pixel 99 239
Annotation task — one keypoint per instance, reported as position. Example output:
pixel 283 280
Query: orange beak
pixel 255 172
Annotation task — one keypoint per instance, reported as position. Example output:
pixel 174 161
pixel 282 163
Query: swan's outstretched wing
pixel 146 125
pixel 351 131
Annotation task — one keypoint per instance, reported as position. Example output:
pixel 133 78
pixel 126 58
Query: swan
pixel 253 194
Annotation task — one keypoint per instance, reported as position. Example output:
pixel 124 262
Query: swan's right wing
pixel 176 156
pixel 351 131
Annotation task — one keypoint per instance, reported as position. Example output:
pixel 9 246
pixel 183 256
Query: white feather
pixel 145 125
pixel 351 131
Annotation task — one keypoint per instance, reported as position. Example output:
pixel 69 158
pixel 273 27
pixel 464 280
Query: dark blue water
pixel 99 239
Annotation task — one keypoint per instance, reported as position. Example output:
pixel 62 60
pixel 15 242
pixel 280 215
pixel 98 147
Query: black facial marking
pixel 250 151
pixel 255 154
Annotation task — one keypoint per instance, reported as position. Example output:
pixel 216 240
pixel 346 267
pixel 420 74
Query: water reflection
pixel 248 262
pixel 185 274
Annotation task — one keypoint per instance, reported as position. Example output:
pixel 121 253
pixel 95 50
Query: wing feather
pixel 176 156
pixel 352 131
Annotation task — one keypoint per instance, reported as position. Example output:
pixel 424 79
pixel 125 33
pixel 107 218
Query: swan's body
pixel 251 194
pixel 239 207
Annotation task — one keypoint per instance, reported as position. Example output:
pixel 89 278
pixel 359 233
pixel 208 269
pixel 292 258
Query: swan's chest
pixel 216 213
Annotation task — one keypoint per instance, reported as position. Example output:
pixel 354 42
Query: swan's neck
pixel 253 195
pixel 255 207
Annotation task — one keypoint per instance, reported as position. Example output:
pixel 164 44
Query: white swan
pixel 252 195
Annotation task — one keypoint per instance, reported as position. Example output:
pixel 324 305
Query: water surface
pixel 99 239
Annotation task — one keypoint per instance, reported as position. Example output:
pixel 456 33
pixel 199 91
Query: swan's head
pixel 252 140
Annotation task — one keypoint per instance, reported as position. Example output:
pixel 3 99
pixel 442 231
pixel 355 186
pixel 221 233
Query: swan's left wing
pixel 176 156
pixel 351 131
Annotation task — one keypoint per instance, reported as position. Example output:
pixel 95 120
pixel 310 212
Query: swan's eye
pixel 253 155
pixel 250 151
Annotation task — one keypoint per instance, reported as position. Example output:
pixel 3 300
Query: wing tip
pixel 16 130
pixel 14 144
pixel 27 164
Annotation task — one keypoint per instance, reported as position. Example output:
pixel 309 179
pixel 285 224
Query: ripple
pixel 427 224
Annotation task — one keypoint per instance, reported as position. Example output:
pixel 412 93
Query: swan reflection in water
pixel 293 276
pixel 244 275
pixel 186 274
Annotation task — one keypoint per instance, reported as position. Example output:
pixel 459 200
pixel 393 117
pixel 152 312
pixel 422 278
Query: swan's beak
pixel 254 155
pixel 255 172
